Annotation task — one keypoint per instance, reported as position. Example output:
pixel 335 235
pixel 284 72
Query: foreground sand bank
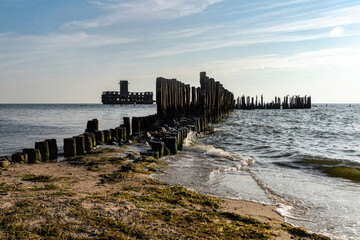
pixel 109 194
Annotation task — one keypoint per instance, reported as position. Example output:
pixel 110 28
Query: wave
pixel 191 145
pixel 236 163
pixel 344 172
pixel 339 168
pixel 243 166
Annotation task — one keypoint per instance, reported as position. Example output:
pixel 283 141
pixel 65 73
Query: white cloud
pixel 345 16
pixel 337 32
pixel 345 58
pixel 120 10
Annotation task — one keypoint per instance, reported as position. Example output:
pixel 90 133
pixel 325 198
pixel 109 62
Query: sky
pixel 65 51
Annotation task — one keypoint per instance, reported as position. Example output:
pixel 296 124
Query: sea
pixel 306 161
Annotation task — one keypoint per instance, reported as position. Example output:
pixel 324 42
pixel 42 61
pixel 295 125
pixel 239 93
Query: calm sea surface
pixel 21 125
pixel 305 161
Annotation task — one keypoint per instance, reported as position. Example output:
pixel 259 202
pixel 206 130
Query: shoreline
pixel 109 194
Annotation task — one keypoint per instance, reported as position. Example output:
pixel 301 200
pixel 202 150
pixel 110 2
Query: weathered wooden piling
pixel 120 133
pixel 88 139
pixel 175 99
pixel 136 125
pixel 80 145
pixel 92 126
pixel 157 146
pixel 44 150
pixel 127 126
pixel 93 138
pixel 100 139
pixel 107 136
pixel 19 158
pixel 295 102
pixel 53 148
pixel 4 162
pixel 34 155
pixel 171 143
pixel 115 134
pixel 69 147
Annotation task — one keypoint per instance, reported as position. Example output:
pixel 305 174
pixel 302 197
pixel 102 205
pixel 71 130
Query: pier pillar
pixel 34 155
pixel 157 146
pixel 127 126
pixel 69 147
pixel 53 148
pixel 107 136
pixel 115 134
pixel 88 141
pixel 171 143
pixel 19 157
pixel 44 150
pixel 99 135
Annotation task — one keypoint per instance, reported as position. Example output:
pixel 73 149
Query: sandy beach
pixel 109 194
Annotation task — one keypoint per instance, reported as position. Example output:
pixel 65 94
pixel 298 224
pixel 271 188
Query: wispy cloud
pixel 58 41
pixel 120 10
pixel 338 57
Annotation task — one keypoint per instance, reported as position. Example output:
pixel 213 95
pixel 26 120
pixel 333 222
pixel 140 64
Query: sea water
pixel 21 125
pixel 305 161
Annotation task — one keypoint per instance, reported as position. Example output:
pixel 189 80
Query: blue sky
pixel 70 51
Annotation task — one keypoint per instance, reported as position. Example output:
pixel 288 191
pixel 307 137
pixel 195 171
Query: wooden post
pixel 44 150
pixel 34 155
pixel 171 143
pixel 19 157
pixel 127 125
pixel 100 139
pixel 88 141
pixel 107 136
pixel 115 134
pixel 80 144
pixel 53 148
pixel 69 147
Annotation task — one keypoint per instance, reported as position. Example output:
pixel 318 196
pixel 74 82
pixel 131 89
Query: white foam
pixel 284 210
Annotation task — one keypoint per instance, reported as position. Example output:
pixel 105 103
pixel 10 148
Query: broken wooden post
pixel 44 150
pixel 92 126
pixel 157 146
pixel 99 135
pixel 127 125
pixel 171 143
pixel 69 147
pixel 115 134
pixel 53 148
pixel 88 141
pixel 34 155
pixel 19 158
pixel 107 136
pixel 135 124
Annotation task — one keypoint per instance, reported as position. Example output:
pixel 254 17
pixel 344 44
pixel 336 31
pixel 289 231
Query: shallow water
pixel 305 161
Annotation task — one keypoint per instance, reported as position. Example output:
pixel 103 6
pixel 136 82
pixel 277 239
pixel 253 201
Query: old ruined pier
pixel 294 102
pixel 180 109
pixel 210 101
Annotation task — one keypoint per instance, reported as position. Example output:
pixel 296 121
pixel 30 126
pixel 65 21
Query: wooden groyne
pixel 180 109
pixel 294 102
pixel 175 99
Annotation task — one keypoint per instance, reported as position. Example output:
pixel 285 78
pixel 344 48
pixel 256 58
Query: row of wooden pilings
pixel 211 100
pixel 163 141
pixel 179 111
pixel 294 102
pixel 42 151
pixel 77 145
